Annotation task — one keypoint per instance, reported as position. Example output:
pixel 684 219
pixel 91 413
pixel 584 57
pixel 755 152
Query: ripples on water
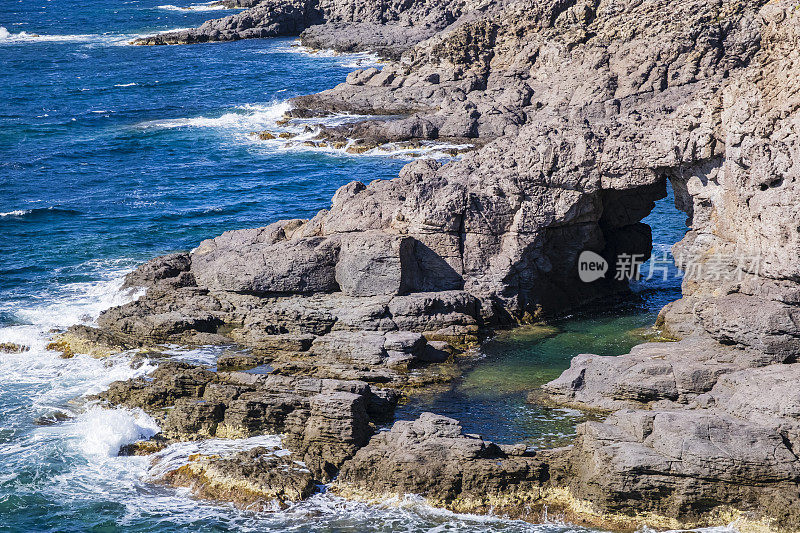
pixel 111 154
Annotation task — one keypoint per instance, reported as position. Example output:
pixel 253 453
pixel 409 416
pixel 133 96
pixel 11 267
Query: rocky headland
pixel 583 113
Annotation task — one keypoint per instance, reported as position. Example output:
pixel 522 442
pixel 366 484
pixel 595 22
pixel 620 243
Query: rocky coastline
pixel 582 114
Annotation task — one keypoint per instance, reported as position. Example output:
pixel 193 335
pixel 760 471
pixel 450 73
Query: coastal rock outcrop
pixel 323 421
pixel 431 456
pixel 583 113
pixel 389 28
pixel 261 478
pixel 711 419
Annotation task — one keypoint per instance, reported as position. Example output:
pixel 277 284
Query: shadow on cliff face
pixel 491 397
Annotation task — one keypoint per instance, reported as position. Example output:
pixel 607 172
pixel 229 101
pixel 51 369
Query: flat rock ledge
pixel 257 479
pixel 322 421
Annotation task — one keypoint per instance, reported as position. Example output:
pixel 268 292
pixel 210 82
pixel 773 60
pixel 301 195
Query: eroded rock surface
pixel 431 456
pixel 256 479
pixel 389 28
pixel 323 421
pixel 585 111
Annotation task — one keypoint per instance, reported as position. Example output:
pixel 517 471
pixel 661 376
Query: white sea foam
pixel 7 37
pixel 208 6
pixel 125 84
pixel 347 60
pixel 94 39
pixel 177 455
pixel 246 117
pixel 102 432
pixel 17 212
pixel 77 460
pixel 202 355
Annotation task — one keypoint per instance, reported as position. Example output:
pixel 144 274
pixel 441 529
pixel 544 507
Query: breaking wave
pixel 207 6
pixel 244 122
pixel 25 37
pixel 242 117
pixel 107 39
pixel 344 59
pixel 17 213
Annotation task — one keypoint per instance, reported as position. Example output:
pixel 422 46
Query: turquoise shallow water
pixel 490 399
pixel 111 154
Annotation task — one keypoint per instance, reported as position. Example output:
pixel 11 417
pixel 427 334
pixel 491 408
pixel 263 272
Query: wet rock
pixel 10 347
pixel 144 447
pixel 258 478
pixel 90 341
pixel 324 421
pixel 52 418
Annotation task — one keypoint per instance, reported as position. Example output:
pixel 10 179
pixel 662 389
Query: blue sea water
pixel 111 154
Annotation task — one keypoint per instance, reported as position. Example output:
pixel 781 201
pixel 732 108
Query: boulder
pixel 431 456
pixel 374 263
pixel 296 266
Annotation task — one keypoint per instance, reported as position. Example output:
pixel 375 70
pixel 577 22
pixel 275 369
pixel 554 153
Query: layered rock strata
pixel 257 479
pixel 587 110
pixel 322 421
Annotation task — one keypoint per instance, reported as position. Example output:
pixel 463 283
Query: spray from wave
pixel 242 117
pixel 102 432
pixel 245 122
pixel 7 37
pixel 344 59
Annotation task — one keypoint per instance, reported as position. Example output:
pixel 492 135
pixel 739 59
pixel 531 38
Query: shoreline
pixel 383 291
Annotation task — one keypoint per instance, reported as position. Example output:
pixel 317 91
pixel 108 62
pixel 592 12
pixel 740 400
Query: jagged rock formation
pixel 389 28
pixel 323 421
pixel 585 110
pixel 720 414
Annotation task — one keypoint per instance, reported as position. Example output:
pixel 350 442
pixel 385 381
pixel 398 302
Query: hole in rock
pixel 490 398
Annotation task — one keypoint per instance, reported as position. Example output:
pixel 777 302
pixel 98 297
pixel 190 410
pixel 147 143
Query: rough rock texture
pixel 432 457
pixel 712 419
pixel 323 421
pixel 685 463
pixel 585 110
pixel 389 28
pixel 256 479
pixel 10 347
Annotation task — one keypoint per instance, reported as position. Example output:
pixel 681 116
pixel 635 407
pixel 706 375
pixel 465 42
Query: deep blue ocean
pixel 111 154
